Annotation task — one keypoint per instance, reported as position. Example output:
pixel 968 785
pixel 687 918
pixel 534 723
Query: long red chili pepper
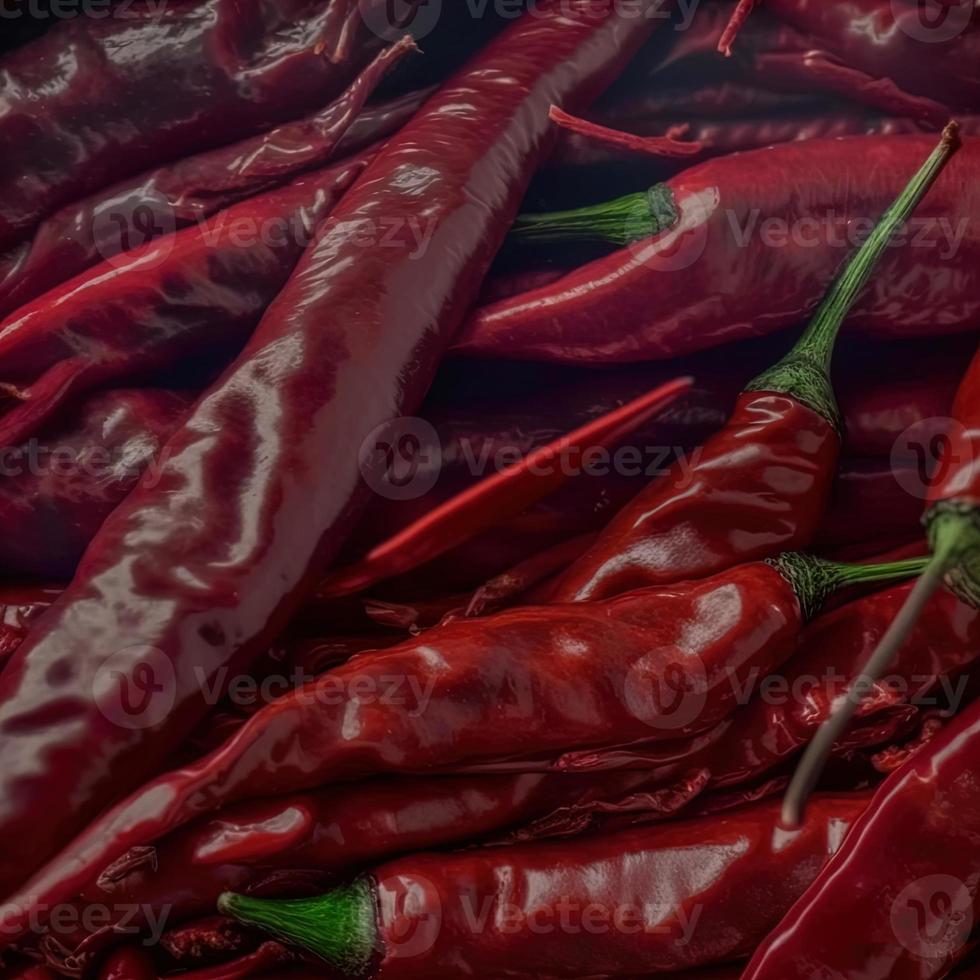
pixel 526 910
pixel 76 97
pixel 199 291
pixel 206 565
pixel 134 212
pixel 762 483
pixel 499 496
pixel 58 490
pixel 952 520
pixel 917 906
pixel 707 244
pixel 656 664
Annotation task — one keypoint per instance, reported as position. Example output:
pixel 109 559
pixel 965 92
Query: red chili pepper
pixel 76 97
pixel 614 905
pixel 128 964
pixel 234 553
pixel 603 312
pixel 201 290
pixel 917 906
pixel 58 490
pixel 499 496
pixel 883 41
pixel 132 213
pixel 656 664
pixel 20 606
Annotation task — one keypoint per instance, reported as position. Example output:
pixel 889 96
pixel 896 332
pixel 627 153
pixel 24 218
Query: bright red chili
pixel 208 563
pixel 636 304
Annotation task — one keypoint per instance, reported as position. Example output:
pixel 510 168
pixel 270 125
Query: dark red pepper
pixel 207 565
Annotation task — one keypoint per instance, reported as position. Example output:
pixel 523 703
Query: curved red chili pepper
pixel 199 291
pixel 264 479
pixel 128 214
pixel 746 289
pixel 667 145
pixel 656 664
pixel 499 496
pixel 76 97
pixel 916 908
pixel 614 905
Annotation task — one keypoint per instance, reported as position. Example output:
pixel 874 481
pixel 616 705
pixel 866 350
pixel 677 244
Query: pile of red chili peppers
pixel 490 492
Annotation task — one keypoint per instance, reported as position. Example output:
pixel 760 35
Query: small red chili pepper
pixel 134 212
pixel 655 664
pixel 199 291
pixel 76 97
pixel 613 905
pixel 242 520
pixel 701 235
pixel 498 497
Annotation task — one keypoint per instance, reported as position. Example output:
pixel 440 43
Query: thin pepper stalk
pixel 507 697
pixel 953 526
pixel 787 420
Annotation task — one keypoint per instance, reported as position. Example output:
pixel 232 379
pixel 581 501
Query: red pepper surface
pixel 200 291
pixel 654 899
pixel 908 874
pixel 482 694
pixel 58 490
pixel 134 212
pixel 76 98
pixel 605 311
pixel 207 565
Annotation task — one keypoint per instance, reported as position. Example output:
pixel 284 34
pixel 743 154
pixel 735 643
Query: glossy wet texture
pixel 959 476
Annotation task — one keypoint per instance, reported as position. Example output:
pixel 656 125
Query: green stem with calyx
pixel 339 927
pixel 804 372
pixel 954 534
pixel 815 580
pixel 621 222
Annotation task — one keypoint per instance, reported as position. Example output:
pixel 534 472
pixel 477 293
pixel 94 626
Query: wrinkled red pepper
pixel 243 518
pixel 605 311
pixel 672 897
pixel 76 98
pixel 134 212
pixel 656 664
pixel 202 290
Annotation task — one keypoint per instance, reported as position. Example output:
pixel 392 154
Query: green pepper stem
pixel 954 531
pixel 339 927
pixel 804 372
pixel 815 580
pixel 620 222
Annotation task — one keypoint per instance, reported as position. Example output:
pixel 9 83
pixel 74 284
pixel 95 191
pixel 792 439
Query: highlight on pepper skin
pixel 489 489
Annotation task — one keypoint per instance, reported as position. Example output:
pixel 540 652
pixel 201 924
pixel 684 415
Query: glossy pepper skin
pixel 480 695
pixel 915 908
pixel 758 487
pixel 208 564
pixel 650 900
pixel 76 98
pixel 54 502
pixel 133 212
pixel 636 304
pixel 200 291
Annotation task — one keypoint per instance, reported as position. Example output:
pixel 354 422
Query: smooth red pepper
pixel 638 303
pixel 76 98
pixel 656 664
pixel 126 215
pixel 206 565
pixel 200 291
pixel 613 905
